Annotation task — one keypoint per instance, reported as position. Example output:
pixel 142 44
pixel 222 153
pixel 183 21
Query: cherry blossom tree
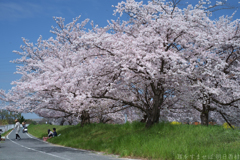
pixel 215 80
pixel 163 55
pixel 55 74
pixel 152 48
pixel 159 40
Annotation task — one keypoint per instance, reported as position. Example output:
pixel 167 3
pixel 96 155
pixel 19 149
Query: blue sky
pixel 32 18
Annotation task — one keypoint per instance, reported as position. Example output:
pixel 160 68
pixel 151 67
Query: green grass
pixel 162 141
pixel 6 133
pixel 40 131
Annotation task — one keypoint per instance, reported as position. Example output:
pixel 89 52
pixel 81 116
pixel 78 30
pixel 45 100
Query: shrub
pixel 226 126
pixel 175 122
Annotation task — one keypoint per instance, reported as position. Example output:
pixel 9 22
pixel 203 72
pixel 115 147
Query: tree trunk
pixel 204 115
pixel 85 118
pixel 153 115
pixel 144 120
pixel 62 121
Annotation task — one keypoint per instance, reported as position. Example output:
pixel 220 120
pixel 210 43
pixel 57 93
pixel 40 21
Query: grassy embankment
pixel 6 133
pixel 162 141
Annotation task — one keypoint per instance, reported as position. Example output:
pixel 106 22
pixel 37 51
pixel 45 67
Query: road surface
pixel 31 148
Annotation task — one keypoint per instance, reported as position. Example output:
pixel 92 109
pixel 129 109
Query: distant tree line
pixel 7 117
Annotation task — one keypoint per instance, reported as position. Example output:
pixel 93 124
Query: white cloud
pixel 13 11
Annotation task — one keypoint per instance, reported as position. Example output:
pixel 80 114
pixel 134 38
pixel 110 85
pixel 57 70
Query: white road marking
pixel 35 149
pixel 36 138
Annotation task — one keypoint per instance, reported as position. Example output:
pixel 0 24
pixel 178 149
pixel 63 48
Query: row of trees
pixel 7 117
pixel 163 61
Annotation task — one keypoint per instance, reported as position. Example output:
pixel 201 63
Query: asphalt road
pixel 31 148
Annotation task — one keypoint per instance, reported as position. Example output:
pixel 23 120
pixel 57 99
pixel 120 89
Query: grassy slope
pixel 6 133
pixel 162 141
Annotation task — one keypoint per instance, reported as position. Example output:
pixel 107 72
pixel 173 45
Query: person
pixel 54 132
pixel 50 135
pixel 1 139
pixel 0 134
pixel 17 127
pixel 23 125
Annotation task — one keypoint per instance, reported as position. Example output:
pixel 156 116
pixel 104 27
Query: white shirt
pixel 17 126
pixel 50 133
